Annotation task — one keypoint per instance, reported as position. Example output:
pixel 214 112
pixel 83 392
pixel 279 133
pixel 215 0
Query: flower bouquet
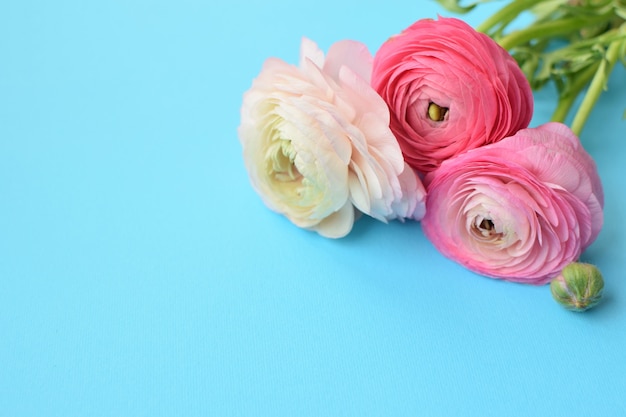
pixel 434 127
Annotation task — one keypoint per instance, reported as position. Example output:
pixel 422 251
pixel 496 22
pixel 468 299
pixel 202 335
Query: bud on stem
pixel 578 287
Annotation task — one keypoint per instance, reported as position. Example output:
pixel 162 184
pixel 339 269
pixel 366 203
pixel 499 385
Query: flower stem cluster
pixel 574 44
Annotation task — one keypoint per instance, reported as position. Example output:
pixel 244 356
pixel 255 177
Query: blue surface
pixel 140 275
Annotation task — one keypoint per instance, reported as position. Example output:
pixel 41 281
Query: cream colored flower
pixel 317 144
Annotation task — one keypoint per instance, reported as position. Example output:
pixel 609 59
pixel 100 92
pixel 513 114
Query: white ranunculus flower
pixel 317 144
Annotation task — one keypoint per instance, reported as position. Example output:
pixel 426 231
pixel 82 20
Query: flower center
pixel 484 228
pixel 486 224
pixel 281 155
pixel 436 113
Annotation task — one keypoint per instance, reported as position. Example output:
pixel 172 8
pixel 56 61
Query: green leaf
pixel 620 11
pixel 547 8
pixel 586 10
pixel 455 6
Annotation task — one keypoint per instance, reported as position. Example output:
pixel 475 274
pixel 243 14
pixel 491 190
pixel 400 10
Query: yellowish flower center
pixel 281 156
pixel 436 113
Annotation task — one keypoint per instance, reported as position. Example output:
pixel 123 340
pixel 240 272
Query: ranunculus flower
pixel 449 89
pixel 519 209
pixel 316 142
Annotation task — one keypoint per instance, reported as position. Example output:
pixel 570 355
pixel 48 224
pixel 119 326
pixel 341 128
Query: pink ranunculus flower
pixel 519 209
pixel 317 143
pixel 449 89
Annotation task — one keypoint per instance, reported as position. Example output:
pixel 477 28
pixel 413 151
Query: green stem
pixel 598 83
pixel 548 29
pixel 566 102
pixel 506 14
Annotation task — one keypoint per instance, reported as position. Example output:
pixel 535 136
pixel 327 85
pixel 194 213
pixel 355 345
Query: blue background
pixel 140 275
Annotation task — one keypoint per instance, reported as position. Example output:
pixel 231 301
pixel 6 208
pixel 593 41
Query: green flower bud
pixel 578 287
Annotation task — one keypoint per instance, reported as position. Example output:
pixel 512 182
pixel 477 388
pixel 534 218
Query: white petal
pixel 337 224
pixel 351 54
pixel 412 203
pixel 309 50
